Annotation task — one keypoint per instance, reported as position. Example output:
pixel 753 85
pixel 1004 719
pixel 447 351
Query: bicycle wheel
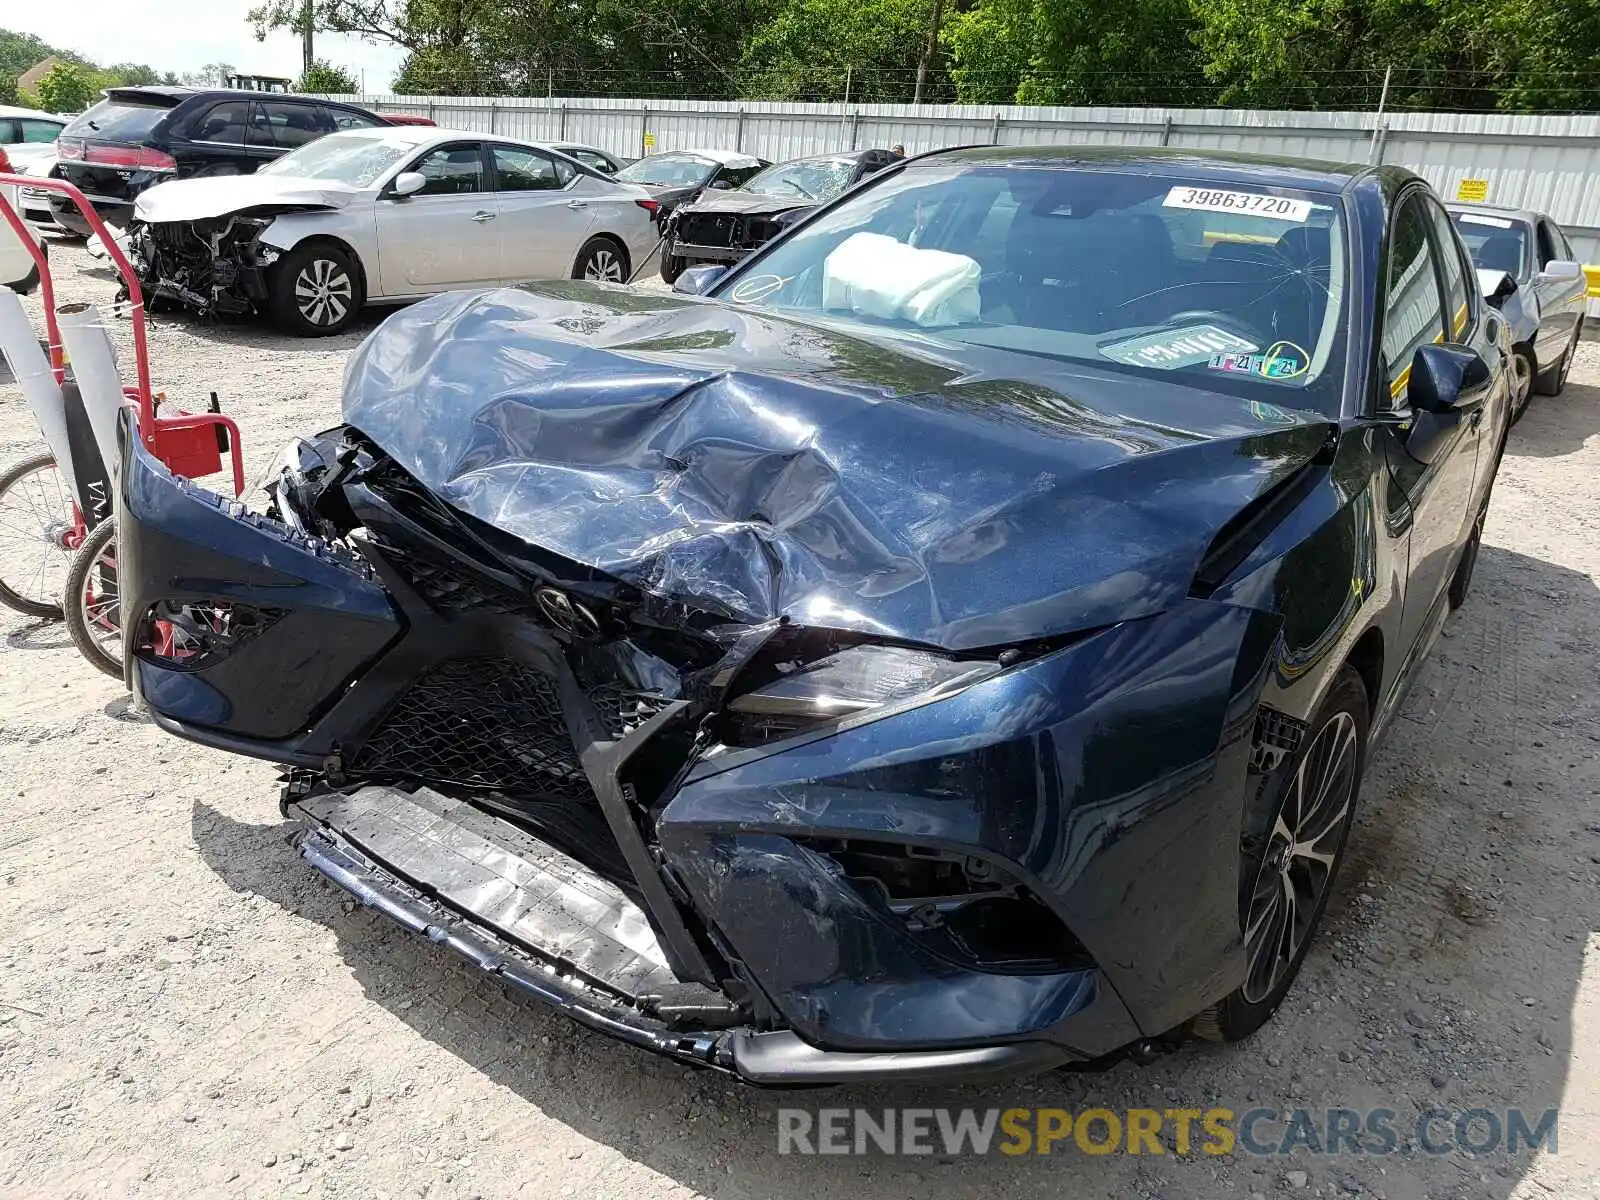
pixel 36 526
pixel 94 613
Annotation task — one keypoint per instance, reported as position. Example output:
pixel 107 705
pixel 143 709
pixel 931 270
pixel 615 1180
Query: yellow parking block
pixel 1592 273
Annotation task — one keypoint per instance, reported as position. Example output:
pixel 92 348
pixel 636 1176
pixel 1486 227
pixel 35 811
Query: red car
pixel 407 119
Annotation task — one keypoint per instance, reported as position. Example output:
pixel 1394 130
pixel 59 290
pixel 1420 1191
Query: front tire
pixel 1521 382
pixel 315 291
pixel 671 267
pixel 601 260
pixel 1288 868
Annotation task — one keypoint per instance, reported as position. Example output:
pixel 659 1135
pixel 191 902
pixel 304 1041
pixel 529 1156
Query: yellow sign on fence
pixel 1476 190
pixel 649 141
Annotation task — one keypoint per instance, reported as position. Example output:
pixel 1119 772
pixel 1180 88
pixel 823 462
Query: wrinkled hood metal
pixel 713 201
pixel 218 196
pixel 763 467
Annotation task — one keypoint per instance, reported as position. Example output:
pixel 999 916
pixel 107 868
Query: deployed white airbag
pixel 875 276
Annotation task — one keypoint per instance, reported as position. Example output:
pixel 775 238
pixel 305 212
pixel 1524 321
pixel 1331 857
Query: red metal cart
pixel 189 443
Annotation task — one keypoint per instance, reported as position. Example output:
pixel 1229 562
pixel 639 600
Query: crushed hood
pixel 762 467
pixel 713 201
pixel 220 195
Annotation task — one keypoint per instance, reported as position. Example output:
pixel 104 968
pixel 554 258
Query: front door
pixel 444 235
pixel 1423 305
pixel 1561 301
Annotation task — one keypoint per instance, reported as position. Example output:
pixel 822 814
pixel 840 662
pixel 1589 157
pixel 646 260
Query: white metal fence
pixel 1547 163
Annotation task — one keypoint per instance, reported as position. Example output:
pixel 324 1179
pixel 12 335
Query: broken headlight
pixel 845 684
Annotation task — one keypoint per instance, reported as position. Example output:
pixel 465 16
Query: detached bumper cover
pixel 550 929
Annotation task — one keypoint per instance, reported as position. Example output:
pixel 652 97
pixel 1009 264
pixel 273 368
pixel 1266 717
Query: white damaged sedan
pixel 375 216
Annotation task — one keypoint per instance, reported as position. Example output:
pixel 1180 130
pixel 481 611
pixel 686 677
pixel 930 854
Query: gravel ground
pixel 186 1009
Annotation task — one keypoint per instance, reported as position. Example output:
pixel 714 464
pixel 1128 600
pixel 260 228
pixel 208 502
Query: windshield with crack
pixel 353 159
pixel 1240 288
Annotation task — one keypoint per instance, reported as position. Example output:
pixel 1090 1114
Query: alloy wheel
pixel 323 291
pixel 1301 848
pixel 603 266
pixel 1521 383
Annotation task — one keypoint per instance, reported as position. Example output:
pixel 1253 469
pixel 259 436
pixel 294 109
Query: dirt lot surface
pixel 186 1009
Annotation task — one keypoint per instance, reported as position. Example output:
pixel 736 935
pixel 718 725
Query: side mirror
pixel 697 281
pixel 721 185
pixel 1447 379
pixel 406 183
pixel 1558 270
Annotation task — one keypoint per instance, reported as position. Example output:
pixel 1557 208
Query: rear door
pixel 230 137
pixel 546 211
pixel 288 124
pixel 445 235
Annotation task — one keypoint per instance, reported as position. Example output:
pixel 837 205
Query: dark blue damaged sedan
pixel 946 644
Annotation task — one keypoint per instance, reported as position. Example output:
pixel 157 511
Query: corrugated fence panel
pixel 1548 163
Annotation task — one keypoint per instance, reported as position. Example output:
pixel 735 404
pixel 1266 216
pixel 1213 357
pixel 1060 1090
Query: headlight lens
pixel 846 683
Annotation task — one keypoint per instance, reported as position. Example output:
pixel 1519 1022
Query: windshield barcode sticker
pixel 1251 204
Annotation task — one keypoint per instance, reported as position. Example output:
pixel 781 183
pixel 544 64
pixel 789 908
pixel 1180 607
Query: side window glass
pixel 1413 315
pixel 292 124
pixel 38 131
pixel 1547 248
pixel 454 170
pixel 1458 280
pixel 344 119
pixel 518 170
pixel 228 122
pixel 1561 238
pixel 590 159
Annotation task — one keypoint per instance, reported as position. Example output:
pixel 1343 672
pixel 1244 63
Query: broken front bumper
pixel 529 915
pixel 730 926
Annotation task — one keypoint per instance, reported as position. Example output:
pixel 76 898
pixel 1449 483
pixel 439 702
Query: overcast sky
pixel 185 35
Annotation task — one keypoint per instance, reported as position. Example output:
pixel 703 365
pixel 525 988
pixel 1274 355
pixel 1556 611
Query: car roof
pixel 727 158
pixel 1495 210
pixel 1215 166
pixel 11 110
pixel 178 93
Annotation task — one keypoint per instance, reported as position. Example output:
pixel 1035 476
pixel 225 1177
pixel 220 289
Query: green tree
pixel 8 89
pixel 65 88
pixel 809 47
pixel 1074 52
pixel 325 79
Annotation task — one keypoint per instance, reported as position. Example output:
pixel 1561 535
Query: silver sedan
pixel 381 215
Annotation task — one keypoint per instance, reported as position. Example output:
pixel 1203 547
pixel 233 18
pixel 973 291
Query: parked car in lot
pixel 949 643
pixel 677 176
pixel 138 137
pixel 1528 270
pixel 27 141
pixel 590 156
pixel 18 270
pixel 723 226
pixel 381 215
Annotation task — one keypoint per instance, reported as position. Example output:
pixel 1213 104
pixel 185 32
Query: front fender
pixel 1109 777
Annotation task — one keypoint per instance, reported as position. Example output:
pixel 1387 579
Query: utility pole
pixel 928 52
pixel 1376 148
pixel 307 54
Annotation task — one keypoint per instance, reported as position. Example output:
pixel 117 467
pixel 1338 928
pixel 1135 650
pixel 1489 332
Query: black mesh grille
pixel 621 710
pixel 1277 737
pixel 448 585
pixel 482 723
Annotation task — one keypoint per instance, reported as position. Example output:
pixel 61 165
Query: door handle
pixel 577 204
pixel 480 216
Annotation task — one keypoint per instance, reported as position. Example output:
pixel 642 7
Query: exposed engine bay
pixel 213 266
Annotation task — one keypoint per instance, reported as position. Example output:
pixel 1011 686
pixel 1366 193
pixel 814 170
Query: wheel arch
pixel 338 243
pixel 617 244
pixel 1366 659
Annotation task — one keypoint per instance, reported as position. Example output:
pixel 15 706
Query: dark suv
pixel 138 137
